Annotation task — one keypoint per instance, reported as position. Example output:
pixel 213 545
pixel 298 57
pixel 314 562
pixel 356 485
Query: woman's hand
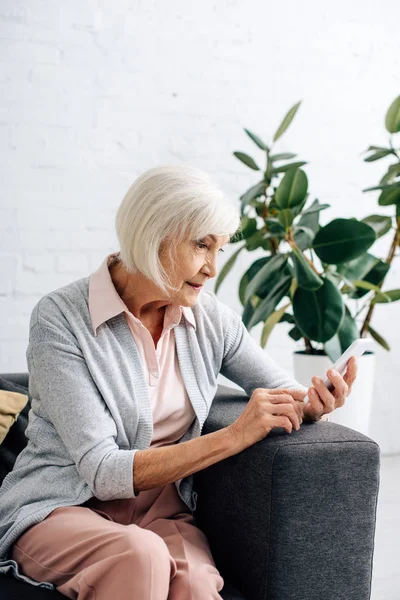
pixel 267 409
pixel 322 401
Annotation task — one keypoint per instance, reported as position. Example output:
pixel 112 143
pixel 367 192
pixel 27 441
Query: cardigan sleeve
pixel 245 362
pixel 74 415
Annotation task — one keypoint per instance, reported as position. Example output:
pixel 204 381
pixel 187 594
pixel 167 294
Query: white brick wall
pixel 96 91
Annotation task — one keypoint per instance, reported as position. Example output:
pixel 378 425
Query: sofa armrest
pixel 293 516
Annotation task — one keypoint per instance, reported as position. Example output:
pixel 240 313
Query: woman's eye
pixel 203 245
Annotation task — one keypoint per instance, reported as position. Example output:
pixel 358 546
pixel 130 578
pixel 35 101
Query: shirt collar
pixel 105 302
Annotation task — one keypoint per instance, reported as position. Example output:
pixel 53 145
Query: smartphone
pixel 357 348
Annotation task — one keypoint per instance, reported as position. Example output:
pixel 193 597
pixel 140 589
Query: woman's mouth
pixel 195 287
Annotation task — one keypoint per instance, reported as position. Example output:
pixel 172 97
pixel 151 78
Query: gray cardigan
pixel 91 411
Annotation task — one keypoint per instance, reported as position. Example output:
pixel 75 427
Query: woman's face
pixel 195 263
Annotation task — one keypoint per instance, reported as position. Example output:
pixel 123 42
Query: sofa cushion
pixel 11 404
pixel 15 440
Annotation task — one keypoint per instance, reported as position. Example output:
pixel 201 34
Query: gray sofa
pixel 290 518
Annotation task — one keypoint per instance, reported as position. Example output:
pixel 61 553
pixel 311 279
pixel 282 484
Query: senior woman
pixel 123 369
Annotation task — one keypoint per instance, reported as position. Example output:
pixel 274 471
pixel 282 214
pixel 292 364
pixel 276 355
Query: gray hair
pixel 164 206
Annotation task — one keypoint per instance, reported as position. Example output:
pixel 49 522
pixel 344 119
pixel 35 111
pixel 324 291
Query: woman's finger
pixel 295 393
pixel 341 389
pixel 351 372
pixel 285 410
pixel 286 398
pixel 316 406
pixel 325 395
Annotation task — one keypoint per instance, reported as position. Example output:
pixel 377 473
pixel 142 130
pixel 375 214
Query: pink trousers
pixel 144 548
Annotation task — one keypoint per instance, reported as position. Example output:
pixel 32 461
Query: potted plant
pixel 311 275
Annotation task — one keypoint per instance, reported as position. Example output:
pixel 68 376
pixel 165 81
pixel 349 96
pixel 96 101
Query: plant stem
pixel 290 240
pixel 362 308
pixel 395 243
pixel 309 348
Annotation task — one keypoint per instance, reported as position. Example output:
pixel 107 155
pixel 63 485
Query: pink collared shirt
pixel 172 410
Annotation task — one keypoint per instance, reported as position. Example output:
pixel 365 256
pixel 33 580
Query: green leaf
pixel 242 288
pixel 295 334
pixel 346 335
pixel 292 189
pixel 387 296
pixel 282 156
pixel 378 338
pixel 316 207
pixel 366 268
pixel 318 313
pixel 226 268
pixel 270 323
pixel 378 155
pixel 248 276
pixel 359 267
pixel 248 312
pixel 384 186
pixel 266 306
pixel 285 218
pixel 348 331
pixel 284 168
pixel 310 221
pixel 249 226
pixel 287 318
pixel 266 274
pixel 299 207
pixel 366 285
pixel 379 224
pixel 376 148
pixel 256 139
pixel 342 240
pixel 286 121
pixel 392 120
pixel 308 232
pixel 274 226
pixel 390 196
pixel 257 240
pixel 392 172
pixel 306 277
pixel 247 160
pixel 254 192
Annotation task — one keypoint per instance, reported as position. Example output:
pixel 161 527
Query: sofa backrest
pixel 15 440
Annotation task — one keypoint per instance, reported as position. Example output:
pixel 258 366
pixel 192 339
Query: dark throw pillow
pixel 15 440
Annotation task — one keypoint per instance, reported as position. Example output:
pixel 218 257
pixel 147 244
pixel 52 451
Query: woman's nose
pixel 210 267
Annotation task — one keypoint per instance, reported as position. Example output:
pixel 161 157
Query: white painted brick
pixel 65 79
pixel 29 283
pixel 7 218
pixel 14 329
pixel 47 108
pixel 50 219
pixel 18 307
pixel 39 263
pixel 9 265
pixel 13 356
pixel 61 240
pixel 97 258
pixel 73 262
pixel 35 32
pixel 16 51
pixel 49 14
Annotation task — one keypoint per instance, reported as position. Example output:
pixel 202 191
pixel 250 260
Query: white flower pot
pixel 356 411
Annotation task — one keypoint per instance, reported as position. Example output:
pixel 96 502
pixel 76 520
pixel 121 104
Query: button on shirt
pixel 172 410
